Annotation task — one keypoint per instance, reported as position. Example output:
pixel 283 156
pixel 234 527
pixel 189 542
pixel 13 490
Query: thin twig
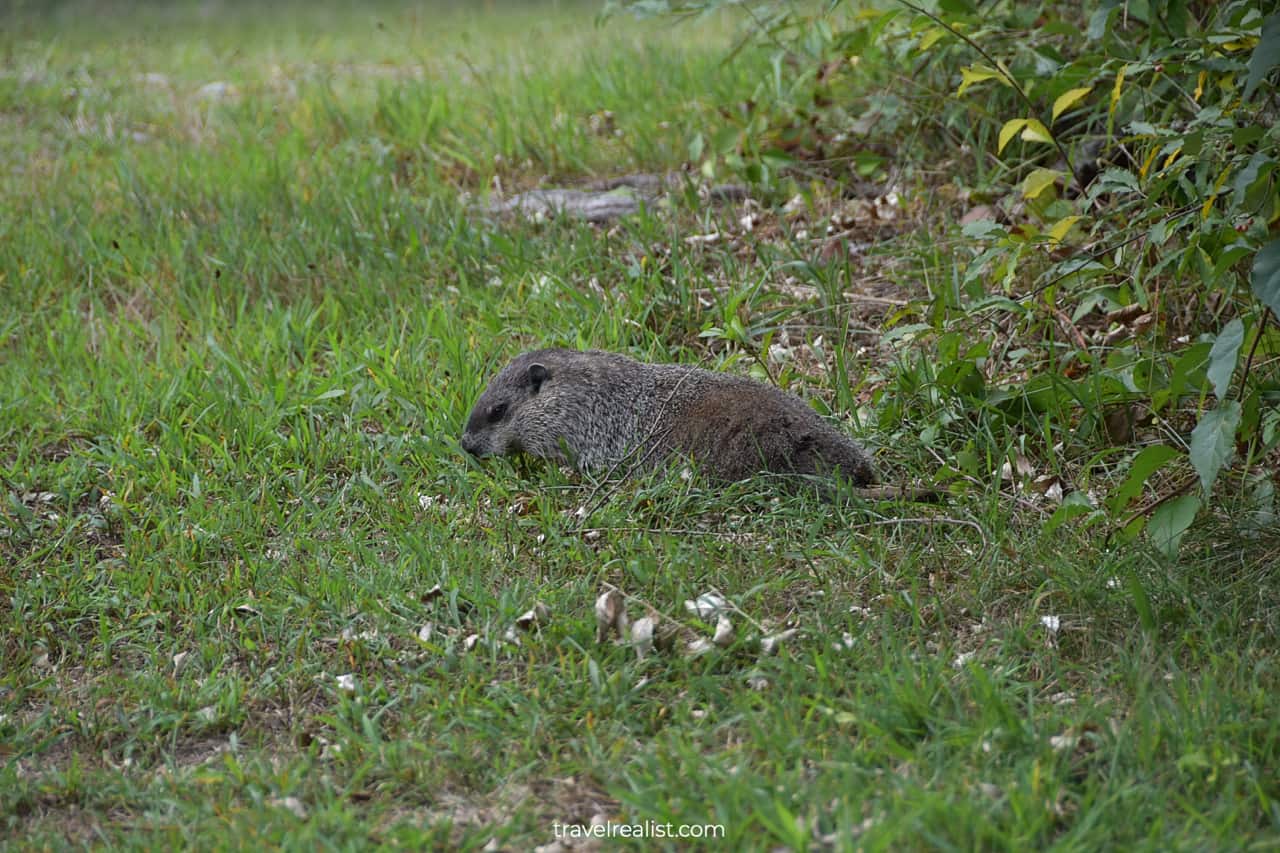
pixel 1176 492
pixel 944 519
pixel 670 531
pixel 1248 364
pixel 1069 328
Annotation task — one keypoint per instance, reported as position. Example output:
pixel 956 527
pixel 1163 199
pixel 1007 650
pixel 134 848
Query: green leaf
pixel 1259 165
pixel 932 36
pixel 696 146
pixel 1099 19
pixel 1213 441
pixel 1229 257
pixel 1073 506
pixel 1039 181
pixel 1141 601
pixel 867 163
pixel 1009 131
pixel 1067 98
pixel 1266 276
pixel 1168 524
pixel 1116 180
pixel 1146 128
pixel 999 303
pixel 1146 463
pixel 1266 55
pixel 1222 358
pixel 983 228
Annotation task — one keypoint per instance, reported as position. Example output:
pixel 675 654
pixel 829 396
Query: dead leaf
pixel 698 646
pixel 290 804
pixel 703 239
pixel 707 606
pixel 770 645
pixel 642 635
pixel 724 632
pixel 611 615
pixel 537 616
pixel 980 213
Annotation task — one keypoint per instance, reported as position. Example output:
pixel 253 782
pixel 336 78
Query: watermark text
pixel 644 829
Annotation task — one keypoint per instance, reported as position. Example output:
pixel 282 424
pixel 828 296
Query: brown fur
pixel 602 411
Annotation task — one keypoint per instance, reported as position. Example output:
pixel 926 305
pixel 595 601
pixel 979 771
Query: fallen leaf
pixel 770 645
pixel 724 632
pixel 1064 741
pixel 642 635
pixel 981 213
pixel 707 606
pixel 611 615
pixel 698 646
pixel 537 616
pixel 291 804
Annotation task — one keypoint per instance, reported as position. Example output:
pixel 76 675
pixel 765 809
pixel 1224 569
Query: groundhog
pixel 605 413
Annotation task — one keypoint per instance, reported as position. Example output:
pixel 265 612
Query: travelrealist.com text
pixel 646 829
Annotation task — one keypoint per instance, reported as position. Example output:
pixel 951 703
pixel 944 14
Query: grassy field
pixel 247 297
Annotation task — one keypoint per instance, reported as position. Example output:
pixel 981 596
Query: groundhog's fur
pixel 602 411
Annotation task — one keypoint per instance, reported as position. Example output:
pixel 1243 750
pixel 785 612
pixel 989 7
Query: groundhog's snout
pixel 470 443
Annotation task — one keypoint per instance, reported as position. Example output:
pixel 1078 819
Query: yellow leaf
pixel 1115 90
pixel 1217 188
pixel 1061 227
pixel 977 74
pixel 1199 87
pixel 1066 99
pixel 1039 181
pixel 1245 43
pixel 1168 161
pixel 1036 132
pixel 1010 130
pixel 1146 164
pixel 931 37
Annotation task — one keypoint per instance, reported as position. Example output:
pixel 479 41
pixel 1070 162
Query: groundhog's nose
pixel 470 444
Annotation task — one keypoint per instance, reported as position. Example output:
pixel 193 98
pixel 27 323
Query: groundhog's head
pixel 507 418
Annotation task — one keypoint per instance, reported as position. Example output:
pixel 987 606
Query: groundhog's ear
pixel 538 374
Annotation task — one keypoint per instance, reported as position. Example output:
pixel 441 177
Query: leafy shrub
pixel 1132 155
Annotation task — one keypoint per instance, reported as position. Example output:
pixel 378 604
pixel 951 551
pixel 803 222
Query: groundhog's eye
pixel 497 413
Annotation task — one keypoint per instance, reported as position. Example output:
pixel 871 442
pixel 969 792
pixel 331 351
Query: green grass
pixel 238 338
